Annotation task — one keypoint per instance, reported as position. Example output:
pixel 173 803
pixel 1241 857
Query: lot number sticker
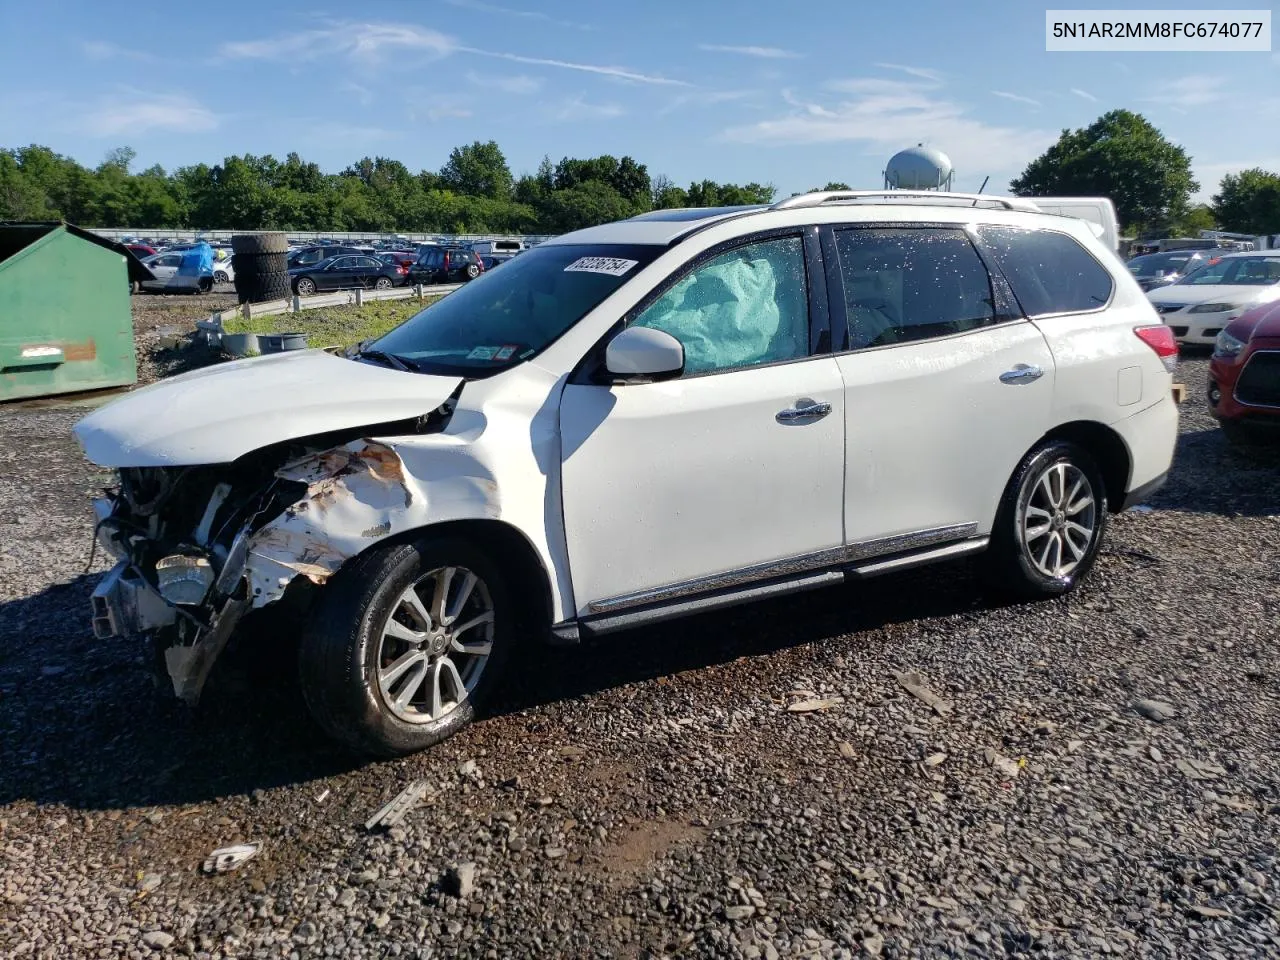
pixel 613 266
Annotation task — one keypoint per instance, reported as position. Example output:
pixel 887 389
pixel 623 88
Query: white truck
pixel 1096 210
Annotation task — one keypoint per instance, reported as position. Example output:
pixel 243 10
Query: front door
pixel 946 385
pixel 729 471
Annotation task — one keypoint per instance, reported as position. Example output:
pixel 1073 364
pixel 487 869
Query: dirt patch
pixel 640 844
pixel 154 312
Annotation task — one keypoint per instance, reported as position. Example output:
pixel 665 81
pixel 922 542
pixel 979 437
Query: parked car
pixel 1244 375
pixel 166 267
pixel 404 258
pixel 446 265
pixel 1160 269
pixel 309 256
pixel 1198 306
pixel 141 250
pixel 634 422
pixel 499 249
pixel 340 273
pixel 224 270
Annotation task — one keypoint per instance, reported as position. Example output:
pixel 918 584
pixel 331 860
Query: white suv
pixel 677 412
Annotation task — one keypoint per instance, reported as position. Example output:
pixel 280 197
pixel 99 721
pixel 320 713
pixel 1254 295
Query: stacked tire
pixel 261 264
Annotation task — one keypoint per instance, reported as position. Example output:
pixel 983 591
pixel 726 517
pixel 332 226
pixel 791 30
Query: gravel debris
pixel 701 817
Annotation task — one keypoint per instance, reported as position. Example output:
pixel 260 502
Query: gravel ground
pixel 657 795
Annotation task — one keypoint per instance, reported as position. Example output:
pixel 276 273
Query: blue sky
pixel 792 93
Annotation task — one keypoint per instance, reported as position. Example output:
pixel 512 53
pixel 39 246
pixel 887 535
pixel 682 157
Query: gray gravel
pixel 655 796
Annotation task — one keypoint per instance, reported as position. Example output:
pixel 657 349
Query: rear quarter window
pixel 1049 271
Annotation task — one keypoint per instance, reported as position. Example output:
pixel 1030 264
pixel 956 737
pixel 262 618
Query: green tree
pixel 1249 202
pixel 1121 156
pixel 1197 218
pixel 478 169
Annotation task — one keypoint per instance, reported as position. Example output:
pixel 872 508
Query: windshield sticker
pixel 482 353
pixel 613 266
pixel 507 352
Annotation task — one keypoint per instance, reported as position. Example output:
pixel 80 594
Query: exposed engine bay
pixel 199 547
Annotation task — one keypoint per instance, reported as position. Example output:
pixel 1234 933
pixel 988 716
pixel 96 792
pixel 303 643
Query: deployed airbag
pixel 727 313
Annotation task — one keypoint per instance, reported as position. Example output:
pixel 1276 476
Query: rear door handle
pixel 1021 373
pixel 805 411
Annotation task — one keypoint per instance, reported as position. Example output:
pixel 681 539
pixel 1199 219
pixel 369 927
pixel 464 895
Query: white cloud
pixel 1084 94
pixel 363 41
pixel 1192 91
pixel 708 98
pixel 516 84
pixel 884 116
pixel 767 53
pixel 576 108
pixel 103 50
pixel 135 113
pixel 923 73
pixel 620 73
pixel 1015 97
pixel 334 130
pixel 447 113
pixel 481 7
pixel 367 41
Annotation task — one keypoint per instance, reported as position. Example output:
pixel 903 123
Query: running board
pixel 585 628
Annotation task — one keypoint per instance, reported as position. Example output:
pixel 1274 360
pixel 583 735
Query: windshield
pixel 1241 271
pixel 1161 264
pixel 507 316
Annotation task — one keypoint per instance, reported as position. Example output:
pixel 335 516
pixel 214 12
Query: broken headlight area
pixel 200 547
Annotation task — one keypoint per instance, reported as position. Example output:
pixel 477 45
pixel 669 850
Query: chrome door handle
pixel 1021 373
pixel 805 410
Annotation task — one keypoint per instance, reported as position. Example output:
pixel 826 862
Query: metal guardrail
pixel 213 328
pixel 169 233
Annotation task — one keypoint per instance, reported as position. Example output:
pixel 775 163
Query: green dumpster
pixel 65 321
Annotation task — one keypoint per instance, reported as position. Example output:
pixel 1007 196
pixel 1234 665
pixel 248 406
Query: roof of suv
pixel 663 227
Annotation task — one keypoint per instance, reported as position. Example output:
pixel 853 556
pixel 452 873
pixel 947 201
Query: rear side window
pixel 1049 272
pixel 908 284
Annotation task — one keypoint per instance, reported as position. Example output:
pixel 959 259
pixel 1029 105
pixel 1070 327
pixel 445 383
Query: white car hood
pixel 1190 293
pixel 219 413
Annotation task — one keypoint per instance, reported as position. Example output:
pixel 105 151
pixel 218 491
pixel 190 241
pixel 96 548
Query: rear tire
pixel 1050 524
pixel 382 283
pixel 472 271
pixel 363 630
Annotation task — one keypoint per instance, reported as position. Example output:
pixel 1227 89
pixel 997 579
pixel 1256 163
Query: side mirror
pixel 642 353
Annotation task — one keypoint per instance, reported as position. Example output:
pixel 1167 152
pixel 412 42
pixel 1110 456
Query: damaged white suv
pixel 673 413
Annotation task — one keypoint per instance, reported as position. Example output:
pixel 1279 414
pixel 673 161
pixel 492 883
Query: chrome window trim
pixel 835 556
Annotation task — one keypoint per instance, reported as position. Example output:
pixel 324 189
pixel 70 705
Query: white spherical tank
pixel 918 168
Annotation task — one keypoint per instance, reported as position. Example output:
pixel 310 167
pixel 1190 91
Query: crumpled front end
pixel 198 548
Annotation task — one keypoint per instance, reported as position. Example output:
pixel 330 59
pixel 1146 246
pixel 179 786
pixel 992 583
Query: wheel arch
pixel 1108 450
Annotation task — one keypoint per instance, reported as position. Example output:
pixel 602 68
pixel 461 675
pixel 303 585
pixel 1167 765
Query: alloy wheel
pixel 1059 519
pixel 432 652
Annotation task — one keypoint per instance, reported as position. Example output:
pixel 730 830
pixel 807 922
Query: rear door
pixel 947 386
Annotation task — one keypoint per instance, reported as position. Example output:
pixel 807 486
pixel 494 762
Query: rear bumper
pixel 1150 437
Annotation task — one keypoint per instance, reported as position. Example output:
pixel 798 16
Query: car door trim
pixel 790 566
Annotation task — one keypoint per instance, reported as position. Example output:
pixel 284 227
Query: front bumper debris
pixel 125 604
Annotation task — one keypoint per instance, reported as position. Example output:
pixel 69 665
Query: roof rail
pixel 820 197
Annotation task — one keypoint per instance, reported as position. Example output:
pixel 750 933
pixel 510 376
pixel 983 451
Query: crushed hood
pixel 219 413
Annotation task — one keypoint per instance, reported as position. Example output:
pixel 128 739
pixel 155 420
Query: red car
pixel 1244 375
pixel 141 250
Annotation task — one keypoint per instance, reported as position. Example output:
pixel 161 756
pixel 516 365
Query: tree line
pixel 473 192
pixel 1121 155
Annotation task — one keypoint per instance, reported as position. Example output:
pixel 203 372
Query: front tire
pixel 405 646
pixel 1049 527
pixel 305 287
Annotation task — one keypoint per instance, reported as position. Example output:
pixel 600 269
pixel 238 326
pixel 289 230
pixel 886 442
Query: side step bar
pixel 574 631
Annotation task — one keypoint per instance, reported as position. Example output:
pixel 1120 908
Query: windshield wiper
pixel 388 358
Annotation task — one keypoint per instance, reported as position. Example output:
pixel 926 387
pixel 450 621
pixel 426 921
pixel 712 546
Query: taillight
pixel 1159 338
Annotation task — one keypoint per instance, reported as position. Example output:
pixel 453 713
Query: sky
pixel 790 93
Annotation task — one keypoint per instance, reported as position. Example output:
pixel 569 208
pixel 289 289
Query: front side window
pixel 507 316
pixel 1049 271
pixel 742 308
pixel 908 284
pixel 1249 271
